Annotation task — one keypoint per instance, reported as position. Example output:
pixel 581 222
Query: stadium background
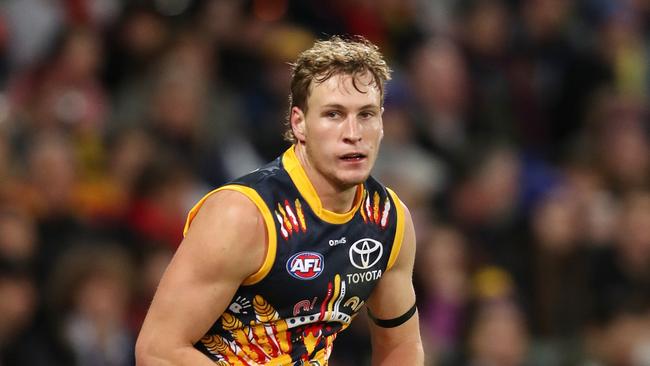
pixel 516 131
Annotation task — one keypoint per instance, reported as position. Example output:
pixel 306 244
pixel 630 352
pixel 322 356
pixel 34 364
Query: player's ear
pixel 297 119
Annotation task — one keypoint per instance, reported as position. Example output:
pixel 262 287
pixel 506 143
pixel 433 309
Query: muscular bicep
pixel 392 299
pixel 394 294
pixel 224 245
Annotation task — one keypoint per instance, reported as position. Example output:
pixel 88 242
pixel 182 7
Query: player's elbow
pixel 146 351
pixel 418 352
pixel 405 353
pixel 142 349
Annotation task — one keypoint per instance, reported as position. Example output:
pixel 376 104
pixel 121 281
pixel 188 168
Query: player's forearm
pixel 408 353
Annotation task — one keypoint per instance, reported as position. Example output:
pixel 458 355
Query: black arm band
pixel 392 323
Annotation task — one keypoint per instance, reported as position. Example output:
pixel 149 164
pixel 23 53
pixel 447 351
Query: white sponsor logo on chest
pixel 365 253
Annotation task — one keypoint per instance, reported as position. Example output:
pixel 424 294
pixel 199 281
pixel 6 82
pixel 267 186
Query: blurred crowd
pixel 517 132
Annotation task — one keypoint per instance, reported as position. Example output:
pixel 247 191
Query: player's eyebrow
pixel 369 106
pixel 333 106
pixel 340 106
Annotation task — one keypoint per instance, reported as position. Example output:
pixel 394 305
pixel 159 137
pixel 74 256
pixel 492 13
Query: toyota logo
pixel 365 253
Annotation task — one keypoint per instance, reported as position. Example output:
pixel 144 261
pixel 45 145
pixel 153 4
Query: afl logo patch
pixel 365 253
pixel 305 265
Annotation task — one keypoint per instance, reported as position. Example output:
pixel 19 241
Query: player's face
pixel 342 129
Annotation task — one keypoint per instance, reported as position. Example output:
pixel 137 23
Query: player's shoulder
pixel 240 201
pixel 229 203
pixel 228 215
pixel 261 175
pixel 228 231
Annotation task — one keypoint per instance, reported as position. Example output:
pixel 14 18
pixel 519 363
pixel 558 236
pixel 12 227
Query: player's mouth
pixel 353 157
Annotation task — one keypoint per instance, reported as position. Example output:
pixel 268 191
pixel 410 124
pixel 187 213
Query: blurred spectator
pixel 438 79
pixel 65 93
pixel 164 192
pixel 621 142
pixel 489 194
pixel 485 206
pixel 498 336
pixel 267 102
pixel 443 264
pixel 495 331
pixel 135 45
pixel 25 337
pixel 560 266
pixel 538 76
pixel 18 301
pixel 625 340
pixel 485 33
pixel 5 156
pixel 517 132
pixel 621 273
pixel 17 237
pixel 52 172
pixel 186 115
pixel 130 152
pixel 599 208
pixel 153 264
pixel 32 24
pixel 91 294
pixel 4 37
pixel 220 20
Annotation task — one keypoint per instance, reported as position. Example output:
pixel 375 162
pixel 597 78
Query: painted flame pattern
pixel 384 214
pixel 285 219
pixel 291 219
pixel 375 208
pixel 301 216
pixel 363 212
pixel 367 207
pixel 283 230
pixel 370 210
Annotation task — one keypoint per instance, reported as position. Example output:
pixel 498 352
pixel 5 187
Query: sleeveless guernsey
pixel 320 268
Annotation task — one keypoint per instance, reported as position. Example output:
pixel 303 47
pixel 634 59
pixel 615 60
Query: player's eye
pixel 333 114
pixel 366 114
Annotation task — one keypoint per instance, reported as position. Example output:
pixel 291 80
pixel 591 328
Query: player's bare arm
pixel 397 341
pixel 223 246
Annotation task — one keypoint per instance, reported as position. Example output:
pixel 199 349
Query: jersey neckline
pixel 299 177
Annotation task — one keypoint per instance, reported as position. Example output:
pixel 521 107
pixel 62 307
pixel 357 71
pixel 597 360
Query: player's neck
pixel 337 201
pixel 333 197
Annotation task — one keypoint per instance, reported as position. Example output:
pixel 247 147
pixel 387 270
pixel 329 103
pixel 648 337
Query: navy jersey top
pixel 320 268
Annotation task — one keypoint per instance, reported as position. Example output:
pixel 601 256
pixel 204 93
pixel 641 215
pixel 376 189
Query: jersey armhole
pixel 271 248
pixel 399 230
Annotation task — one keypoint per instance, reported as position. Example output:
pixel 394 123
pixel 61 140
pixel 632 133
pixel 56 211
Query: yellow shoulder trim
pixel 399 231
pixel 268 220
pixel 308 192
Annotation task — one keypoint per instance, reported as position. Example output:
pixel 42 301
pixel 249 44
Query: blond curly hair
pixel 335 56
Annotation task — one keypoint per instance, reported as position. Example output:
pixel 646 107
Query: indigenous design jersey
pixel 320 268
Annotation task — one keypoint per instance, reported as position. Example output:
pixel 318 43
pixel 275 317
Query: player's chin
pixel 353 178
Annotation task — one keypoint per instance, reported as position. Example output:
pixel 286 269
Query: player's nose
pixel 352 130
